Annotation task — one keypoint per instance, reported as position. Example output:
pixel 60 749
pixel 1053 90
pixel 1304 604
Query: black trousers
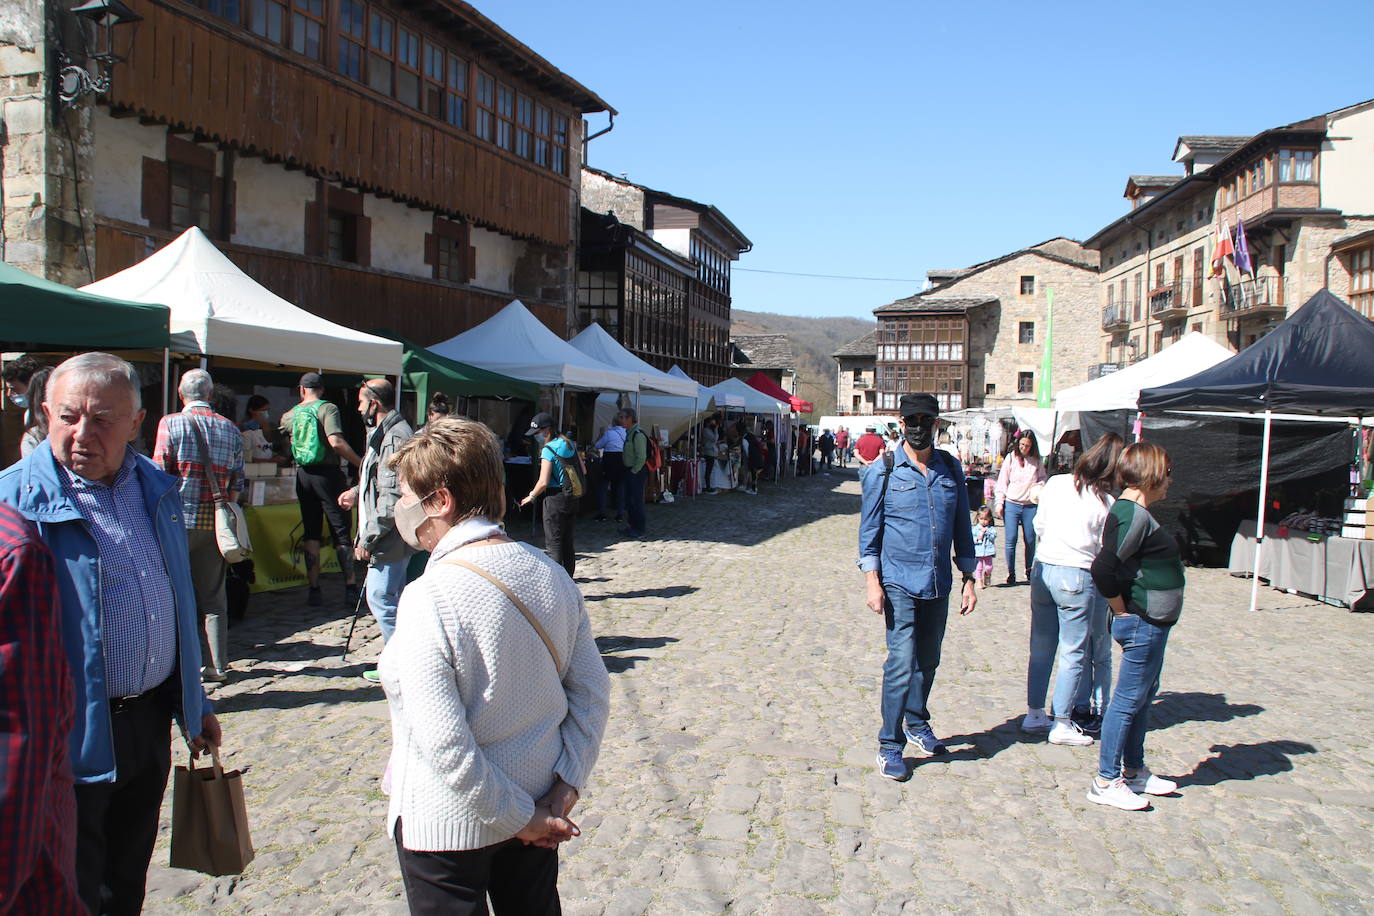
pixel 317 490
pixel 520 879
pixel 608 491
pixel 560 520
pixel 116 823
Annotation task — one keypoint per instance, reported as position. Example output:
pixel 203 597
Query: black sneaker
pixel 1087 721
pixel 314 598
pixel 1011 578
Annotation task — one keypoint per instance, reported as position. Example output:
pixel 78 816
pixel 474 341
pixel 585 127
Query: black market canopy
pixel 1320 361
pixel 37 313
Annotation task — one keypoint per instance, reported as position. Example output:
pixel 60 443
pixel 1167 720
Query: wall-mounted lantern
pixel 90 72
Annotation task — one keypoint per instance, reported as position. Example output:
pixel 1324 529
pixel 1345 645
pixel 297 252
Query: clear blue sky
pixel 882 139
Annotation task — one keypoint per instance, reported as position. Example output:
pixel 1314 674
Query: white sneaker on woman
pixel 1117 794
pixel 1065 732
pixel 1150 784
pixel 1035 720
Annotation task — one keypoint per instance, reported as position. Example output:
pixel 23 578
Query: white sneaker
pixel 1150 784
pixel 1065 732
pixel 1117 794
pixel 1035 720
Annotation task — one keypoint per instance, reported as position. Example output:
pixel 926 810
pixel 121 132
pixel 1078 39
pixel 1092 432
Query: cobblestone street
pixel 737 772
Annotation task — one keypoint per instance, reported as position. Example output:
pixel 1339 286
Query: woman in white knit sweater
pixel 496 717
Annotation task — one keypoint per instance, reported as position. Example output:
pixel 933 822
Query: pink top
pixel 1018 477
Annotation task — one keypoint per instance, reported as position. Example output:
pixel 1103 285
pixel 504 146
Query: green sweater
pixel 1141 563
pixel 636 449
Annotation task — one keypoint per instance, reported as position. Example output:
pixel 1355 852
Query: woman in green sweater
pixel 1139 570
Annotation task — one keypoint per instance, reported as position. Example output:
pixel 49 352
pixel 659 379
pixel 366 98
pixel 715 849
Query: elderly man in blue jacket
pixel 112 520
pixel 915 509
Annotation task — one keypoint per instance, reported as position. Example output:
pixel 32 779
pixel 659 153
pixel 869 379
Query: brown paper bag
pixel 210 820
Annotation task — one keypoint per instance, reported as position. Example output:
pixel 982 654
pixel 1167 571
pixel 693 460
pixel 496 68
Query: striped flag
pixel 1221 250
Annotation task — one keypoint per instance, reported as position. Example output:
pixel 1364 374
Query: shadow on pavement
pixel 1171 709
pixel 1245 761
pixel 293 699
pixel 668 591
pixel 616 664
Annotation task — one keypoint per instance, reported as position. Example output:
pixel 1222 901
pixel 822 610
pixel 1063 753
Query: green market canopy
pixel 36 313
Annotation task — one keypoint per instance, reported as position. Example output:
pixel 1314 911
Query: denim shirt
pixel 906 530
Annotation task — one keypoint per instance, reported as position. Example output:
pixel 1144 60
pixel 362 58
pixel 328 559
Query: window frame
pixel 1024 284
pixel 1361 269
pixel 1288 157
pixel 302 17
pixel 1024 330
pixel 351 41
pixel 1025 382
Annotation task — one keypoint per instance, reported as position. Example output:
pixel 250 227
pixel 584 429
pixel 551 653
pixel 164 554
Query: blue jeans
pixel 1128 716
pixel 1065 610
pixel 634 500
pixel 383 589
pixel 1020 515
pixel 915 632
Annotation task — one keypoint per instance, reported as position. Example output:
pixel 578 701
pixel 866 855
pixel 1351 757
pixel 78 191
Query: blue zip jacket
pixel 907 528
pixel 34 488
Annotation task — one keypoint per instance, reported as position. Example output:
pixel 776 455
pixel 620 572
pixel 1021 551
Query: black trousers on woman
pixel 520 880
pixel 560 519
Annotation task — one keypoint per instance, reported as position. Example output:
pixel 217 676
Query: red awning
pixel 760 382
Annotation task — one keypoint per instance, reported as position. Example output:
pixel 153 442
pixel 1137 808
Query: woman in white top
pixel 498 694
pixel 1066 607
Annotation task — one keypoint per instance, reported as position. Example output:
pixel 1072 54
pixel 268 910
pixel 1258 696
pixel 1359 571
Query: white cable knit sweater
pixel 480 721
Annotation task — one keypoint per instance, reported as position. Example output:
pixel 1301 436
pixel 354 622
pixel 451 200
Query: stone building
pixel 377 162
pixel 976 337
pixel 770 354
pixel 654 271
pixel 855 374
pixel 1305 192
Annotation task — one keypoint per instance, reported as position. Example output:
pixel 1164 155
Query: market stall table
pixel 1341 569
pixel 278 561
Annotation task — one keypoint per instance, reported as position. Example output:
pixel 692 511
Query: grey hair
pixel 102 368
pixel 196 385
pixel 630 412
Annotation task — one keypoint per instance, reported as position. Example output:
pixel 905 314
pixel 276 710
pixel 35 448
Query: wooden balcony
pixel 1117 317
pixel 1262 296
pixel 425 311
pixel 1168 302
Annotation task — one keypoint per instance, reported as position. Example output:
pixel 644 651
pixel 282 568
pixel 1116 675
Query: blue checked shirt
pixel 137 607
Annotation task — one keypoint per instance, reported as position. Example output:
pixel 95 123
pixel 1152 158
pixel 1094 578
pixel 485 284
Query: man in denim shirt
pixel 914 510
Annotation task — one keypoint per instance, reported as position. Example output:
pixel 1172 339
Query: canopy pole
pixel 1259 516
pixel 166 381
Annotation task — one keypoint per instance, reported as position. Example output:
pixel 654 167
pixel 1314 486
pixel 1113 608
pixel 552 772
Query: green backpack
pixel 308 446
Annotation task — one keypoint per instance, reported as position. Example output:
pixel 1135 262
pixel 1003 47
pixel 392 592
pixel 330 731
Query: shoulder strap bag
pixel 231 528
pixel 453 560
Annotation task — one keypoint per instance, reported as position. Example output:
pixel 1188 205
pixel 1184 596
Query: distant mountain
pixel 813 340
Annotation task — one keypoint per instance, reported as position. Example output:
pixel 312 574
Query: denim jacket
pixel 907 528
pixel 33 486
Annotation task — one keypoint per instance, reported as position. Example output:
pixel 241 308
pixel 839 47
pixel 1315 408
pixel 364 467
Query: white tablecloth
pixel 1333 567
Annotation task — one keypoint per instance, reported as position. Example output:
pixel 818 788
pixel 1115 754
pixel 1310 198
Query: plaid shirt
pixel 178 452
pixel 138 627
pixel 37 804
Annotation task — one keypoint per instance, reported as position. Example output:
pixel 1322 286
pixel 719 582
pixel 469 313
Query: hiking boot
pixel 892 765
pixel 925 740
pixel 1117 794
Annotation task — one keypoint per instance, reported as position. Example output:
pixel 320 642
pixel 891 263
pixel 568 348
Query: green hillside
pixel 813 340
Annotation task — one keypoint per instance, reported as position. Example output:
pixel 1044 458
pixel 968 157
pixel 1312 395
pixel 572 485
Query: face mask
pixel 408 518
pixel 370 418
pixel 920 436
pixel 540 439
pixel 19 400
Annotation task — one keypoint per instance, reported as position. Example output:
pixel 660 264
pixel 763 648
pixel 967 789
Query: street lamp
pixel 75 77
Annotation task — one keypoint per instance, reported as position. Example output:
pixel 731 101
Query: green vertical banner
pixel 1045 392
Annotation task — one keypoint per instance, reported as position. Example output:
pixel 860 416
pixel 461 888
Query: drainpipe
pixel 610 126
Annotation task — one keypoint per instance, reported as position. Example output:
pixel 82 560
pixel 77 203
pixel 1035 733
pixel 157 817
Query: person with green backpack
pixel 317 444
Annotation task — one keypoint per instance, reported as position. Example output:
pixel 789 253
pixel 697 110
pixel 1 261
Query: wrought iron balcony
pixel 1168 302
pixel 1255 297
pixel 1116 317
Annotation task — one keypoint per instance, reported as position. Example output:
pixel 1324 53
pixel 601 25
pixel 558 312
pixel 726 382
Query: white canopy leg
pixel 1259 517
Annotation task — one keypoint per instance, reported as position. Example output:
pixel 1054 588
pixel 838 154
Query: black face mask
pixel 920 436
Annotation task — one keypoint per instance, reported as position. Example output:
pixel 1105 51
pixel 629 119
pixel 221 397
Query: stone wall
pixel 601 195
pixel 846 390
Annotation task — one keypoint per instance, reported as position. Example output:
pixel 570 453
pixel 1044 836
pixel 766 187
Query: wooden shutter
pixel 364 240
pixel 314 229
pixel 157 193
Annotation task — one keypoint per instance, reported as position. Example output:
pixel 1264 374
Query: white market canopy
pixel 218 310
pixel 734 393
pixel 1121 390
pixel 513 342
pixel 595 342
pixel 704 398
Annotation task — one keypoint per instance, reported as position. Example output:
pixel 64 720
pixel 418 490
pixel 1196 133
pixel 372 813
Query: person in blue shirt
pixel 915 509
pixel 560 506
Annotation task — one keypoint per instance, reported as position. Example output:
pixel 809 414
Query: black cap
pixel 541 420
pixel 913 405
pixel 312 380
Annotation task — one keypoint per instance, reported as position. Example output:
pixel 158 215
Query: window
pixel 1111 297
pixel 225 9
pixel 1296 164
pixel 343 236
pixel 457 91
pixel 524 124
pixel 434 81
pixel 560 144
pixel 408 67
pixel 505 115
pixel 449 264
pixel 486 106
pixel 307 28
pixel 990 389
pixel 858 403
pixel 1135 306
pixel 190 196
pixel 1028 286
pixel 598 299
pixel 1362 281
pixel 382 41
pixel 1198 326
pixel 1026 333
pixel 858 376
pixel 1025 383
pixel 351 35
pixel 268 19
pixel 1159 341
pixel 1199 255
pixel 543 124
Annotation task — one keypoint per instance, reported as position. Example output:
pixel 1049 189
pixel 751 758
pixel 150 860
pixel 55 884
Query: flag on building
pixel 1243 262
pixel 1221 250
pixel 1045 393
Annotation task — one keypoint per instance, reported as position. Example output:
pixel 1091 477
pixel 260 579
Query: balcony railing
pixel 860 384
pixel 1116 317
pixel 1168 302
pixel 1252 297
